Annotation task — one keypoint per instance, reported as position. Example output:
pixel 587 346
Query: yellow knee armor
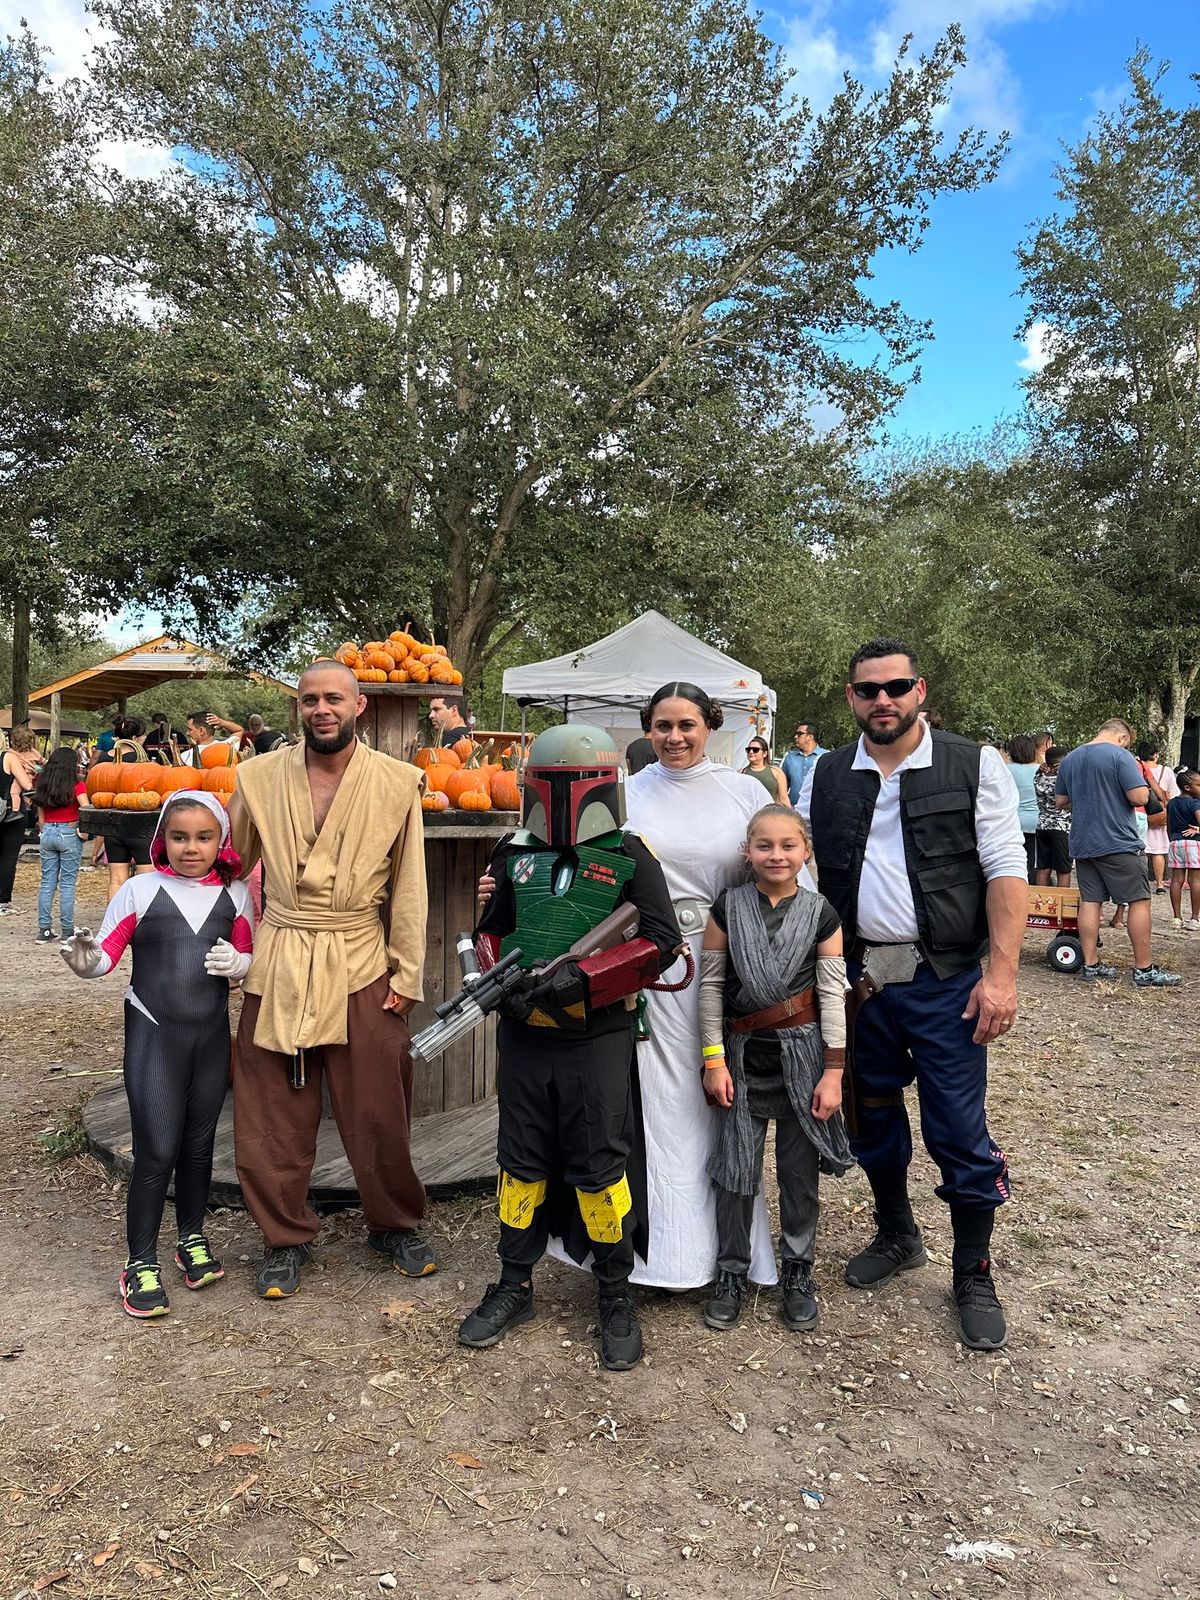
pixel 604 1213
pixel 518 1199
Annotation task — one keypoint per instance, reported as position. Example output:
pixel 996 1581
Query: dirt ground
pixel 342 1444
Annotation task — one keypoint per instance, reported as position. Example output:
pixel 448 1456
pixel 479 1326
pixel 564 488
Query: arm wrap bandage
pixel 831 1000
pixel 713 965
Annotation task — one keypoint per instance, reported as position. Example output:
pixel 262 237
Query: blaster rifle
pixel 483 993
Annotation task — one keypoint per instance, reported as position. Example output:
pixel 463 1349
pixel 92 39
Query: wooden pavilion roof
pixel 145 666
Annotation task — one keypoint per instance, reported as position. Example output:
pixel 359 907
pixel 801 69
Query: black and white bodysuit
pixel 176 1037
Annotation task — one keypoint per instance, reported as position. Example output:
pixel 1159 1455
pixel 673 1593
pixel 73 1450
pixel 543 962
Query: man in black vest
pixel 921 854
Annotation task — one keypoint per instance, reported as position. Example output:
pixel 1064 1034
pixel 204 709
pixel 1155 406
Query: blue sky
pixel 1041 69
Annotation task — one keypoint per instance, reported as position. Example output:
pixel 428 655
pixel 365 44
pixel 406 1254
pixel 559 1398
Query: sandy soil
pixel 342 1444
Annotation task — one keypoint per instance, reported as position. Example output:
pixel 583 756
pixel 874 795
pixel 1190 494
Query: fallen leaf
pixel 387 1380
pixel 482 1501
pixel 398 1308
pixel 279 1581
pixel 49 1579
pixel 462 1459
pixel 243 1449
pixel 264 1394
pixel 308 1565
pixel 147 1569
pixel 244 1485
pixel 106 1554
pixel 54 1488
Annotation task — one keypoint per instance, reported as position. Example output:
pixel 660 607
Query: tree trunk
pixel 20 661
pixel 1168 711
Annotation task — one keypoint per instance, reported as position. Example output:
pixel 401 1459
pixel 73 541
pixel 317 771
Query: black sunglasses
pixel 893 688
pixel 756 749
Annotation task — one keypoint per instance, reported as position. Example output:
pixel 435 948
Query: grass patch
pixel 68 1138
pixel 1071 1211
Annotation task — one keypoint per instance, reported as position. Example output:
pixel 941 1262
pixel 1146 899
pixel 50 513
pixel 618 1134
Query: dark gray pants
pixel 797 1166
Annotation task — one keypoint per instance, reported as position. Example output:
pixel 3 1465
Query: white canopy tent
pixel 608 682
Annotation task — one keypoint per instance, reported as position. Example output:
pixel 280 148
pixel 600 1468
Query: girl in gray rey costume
pixel 773 1034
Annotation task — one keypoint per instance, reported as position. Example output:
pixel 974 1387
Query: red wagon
pixel 1057 909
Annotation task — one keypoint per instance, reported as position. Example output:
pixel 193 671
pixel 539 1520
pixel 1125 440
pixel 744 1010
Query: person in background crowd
pixel 264 739
pixel 448 717
pixel 800 761
pixel 920 854
pixel 1100 783
pixel 1041 743
pixel 1054 827
pixel 1183 824
pixel 18 771
pixel 159 735
pixel 1023 767
pixel 201 726
pixel 106 739
pixel 131 728
pixel 57 794
pixel 758 754
pixel 1164 784
pixel 639 753
pixel 930 717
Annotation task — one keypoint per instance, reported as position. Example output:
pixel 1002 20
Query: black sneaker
pixel 724 1310
pixel 885 1256
pixel 409 1252
pixel 142 1292
pixel 798 1298
pixel 279 1274
pixel 46 936
pixel 504 1306
pixel 197 1262
pixel 979 1311
pixel 620 1335
pixel 1155 978
pixel 1097 973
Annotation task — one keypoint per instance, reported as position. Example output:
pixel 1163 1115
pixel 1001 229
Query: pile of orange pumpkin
pixel 399 659
pixel 144 785
pixel 461 776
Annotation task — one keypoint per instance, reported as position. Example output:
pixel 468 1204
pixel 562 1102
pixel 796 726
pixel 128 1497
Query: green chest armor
pixel 563 894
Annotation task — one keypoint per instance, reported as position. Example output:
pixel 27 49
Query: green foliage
pixel 1115 276
pixel 475 313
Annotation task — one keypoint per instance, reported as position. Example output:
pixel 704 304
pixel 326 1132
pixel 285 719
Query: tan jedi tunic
pixel 342 907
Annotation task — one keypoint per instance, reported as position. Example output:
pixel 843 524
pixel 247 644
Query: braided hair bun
pixel 710 710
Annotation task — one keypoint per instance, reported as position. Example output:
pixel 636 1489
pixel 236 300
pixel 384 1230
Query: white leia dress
pixel 694 819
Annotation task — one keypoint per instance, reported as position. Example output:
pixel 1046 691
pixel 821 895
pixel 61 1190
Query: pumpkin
pixel 135 775
pixel 137 800
pixel 396 648
pixel 216 754
pixel 347 654
pixel 464 748
pixel 218 780
pixel 397 675
pixel 469 779
pixel 435 802
pixel 438 776
pixel 370 675
pixel 418 672
pixel 441 672
pixel 505 790
pixel 103 778
pixel 103 799
pixel 474 800
pixel 169 780
pixel 436 755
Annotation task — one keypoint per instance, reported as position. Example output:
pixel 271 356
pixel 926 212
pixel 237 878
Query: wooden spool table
pixel 454 1105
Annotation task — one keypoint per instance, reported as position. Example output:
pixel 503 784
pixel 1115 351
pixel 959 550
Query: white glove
pixel 83 953
pixel 223 961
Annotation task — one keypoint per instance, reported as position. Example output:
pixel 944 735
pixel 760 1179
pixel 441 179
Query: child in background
pixel 1183 833
pixel 773 983
pixel 189 926
pixel 57 794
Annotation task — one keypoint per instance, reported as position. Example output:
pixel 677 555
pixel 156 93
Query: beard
pixel 887 735
pixel 333 743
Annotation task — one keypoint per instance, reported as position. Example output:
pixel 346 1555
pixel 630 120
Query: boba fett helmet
pixel 572 785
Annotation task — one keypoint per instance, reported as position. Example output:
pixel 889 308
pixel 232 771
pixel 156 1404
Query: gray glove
pixel 223 961
pixel 83 953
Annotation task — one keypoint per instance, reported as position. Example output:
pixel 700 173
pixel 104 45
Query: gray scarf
pixel 764 966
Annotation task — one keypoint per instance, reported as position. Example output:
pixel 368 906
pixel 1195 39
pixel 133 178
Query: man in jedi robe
pixel 337 968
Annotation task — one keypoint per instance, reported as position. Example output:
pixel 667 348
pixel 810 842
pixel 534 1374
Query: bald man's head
pixel 330 702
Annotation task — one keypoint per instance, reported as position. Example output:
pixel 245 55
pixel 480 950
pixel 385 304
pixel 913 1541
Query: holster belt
pixel 793 1012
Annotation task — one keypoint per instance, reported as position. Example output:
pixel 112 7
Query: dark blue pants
pixel 915 1031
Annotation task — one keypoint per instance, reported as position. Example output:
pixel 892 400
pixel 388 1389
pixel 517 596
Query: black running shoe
pixel 723 1310
pixel 504 1306
pixel 197 1262
pixel 979 1311
pixel 279 1274
pixel 142 1292
pixel 885 1256
pixel 620 1335
pixel 798 1298
pixel 409 1252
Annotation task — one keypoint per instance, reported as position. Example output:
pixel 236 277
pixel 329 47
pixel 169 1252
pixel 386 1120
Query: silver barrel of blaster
pixel 439 1036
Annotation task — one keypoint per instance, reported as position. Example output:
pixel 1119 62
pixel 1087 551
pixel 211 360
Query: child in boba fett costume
pixel 567 1115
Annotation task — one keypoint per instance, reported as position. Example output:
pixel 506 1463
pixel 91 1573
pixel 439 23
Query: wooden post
pixel 55 720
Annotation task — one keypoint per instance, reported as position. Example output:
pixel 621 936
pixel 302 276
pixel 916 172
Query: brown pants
pixel 275 1126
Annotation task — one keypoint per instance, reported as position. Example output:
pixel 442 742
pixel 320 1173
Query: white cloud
pixel 817 60
pixel 1037 343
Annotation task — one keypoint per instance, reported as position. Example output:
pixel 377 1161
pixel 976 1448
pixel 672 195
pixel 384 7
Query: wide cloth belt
pixel 315 920
pixel 793 1012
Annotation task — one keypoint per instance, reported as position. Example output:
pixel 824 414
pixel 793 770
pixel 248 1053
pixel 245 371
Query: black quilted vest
pixel 937 819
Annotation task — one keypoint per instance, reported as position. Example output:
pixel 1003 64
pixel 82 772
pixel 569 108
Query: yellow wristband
pixel 713 1052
